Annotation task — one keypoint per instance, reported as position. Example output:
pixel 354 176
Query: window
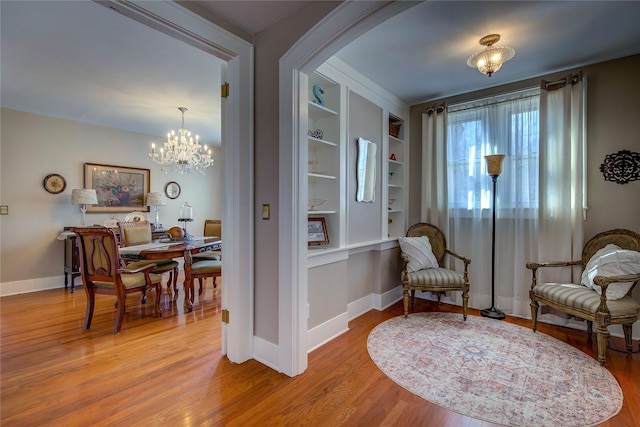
pixel 506 125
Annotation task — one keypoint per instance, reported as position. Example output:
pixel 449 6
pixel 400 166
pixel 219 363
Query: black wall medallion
pixel 621 167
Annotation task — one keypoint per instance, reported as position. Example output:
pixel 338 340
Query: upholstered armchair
pixel 202 270
pixel 423 253
pixel 101 273
pixel 610 267
pixel 139 233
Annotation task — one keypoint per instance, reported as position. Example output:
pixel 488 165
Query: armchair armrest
pixel 534 266
pixel 465 260
pixel 143 269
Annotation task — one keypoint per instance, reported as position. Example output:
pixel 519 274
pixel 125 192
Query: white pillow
pixel 611 261
pixel 418 250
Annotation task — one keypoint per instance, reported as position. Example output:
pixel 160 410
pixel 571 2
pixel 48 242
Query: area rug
pixel 494 371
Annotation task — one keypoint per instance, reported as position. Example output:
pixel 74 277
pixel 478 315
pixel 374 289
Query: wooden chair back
pixel 99 257
pixel 134 233
pixel 435 235
pixel 212 227
pixel 625 239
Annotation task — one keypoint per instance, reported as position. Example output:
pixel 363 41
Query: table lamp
pixel 156 199
pixel 84 197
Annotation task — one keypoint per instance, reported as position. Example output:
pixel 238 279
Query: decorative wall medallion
pixel 621 167
pixel 54 183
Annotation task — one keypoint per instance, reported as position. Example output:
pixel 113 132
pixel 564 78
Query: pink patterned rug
pixel 494 371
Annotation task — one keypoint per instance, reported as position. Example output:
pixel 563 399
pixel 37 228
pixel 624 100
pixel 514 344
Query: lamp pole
pixel 494 166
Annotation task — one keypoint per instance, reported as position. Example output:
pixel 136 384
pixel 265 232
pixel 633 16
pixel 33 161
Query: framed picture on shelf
pixel 119 189
pixel 317 232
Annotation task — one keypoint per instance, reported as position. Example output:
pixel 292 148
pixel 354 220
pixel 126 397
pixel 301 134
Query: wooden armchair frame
pixel 101 273
pixel 439 248
pixel 625 239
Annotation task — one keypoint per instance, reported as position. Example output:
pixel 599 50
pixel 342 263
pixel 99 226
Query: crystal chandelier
pixel 489 60
pixel 181 153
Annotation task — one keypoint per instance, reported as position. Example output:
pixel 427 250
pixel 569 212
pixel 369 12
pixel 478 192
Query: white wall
pixel 34 146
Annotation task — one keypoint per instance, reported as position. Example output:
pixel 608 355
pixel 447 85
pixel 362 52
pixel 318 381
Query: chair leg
pixel 91 302
pixel 627 336
pixel 602 332
pixel 405 300
pixel 158 309
pixel 534 314
pixel 120 314
pixel 465 304
pixel 175 282
pixel 589 327
pixel 413 298
pixel 201 282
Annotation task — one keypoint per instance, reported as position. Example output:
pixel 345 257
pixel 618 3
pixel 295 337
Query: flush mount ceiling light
pixel 489 60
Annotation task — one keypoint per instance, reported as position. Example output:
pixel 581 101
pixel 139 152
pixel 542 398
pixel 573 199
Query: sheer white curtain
pixel 501 125
pixel 562 176
pixel 434 168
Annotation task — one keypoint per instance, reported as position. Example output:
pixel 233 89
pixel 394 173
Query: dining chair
pixel 139 233
pixel 202 270
pixel 212 228
pixel 102 273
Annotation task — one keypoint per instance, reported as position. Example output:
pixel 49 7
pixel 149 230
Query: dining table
pixel 165 249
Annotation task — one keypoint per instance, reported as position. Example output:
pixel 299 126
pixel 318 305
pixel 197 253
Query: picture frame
pixel 317 232
pixel 119 188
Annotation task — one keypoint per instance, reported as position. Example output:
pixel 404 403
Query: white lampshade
pixel 84 196
pixel 156 198
pixel 490 60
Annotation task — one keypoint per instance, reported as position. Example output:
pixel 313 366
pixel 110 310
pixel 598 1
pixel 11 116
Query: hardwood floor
pixel 169 372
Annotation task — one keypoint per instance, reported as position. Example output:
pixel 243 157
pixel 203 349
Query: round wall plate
pixel 54 183
pixel 172 190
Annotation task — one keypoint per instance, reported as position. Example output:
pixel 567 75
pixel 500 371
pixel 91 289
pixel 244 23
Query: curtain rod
pixel 488 101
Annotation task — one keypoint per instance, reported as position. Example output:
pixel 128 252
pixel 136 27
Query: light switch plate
pixel 265 211
pixel 4 210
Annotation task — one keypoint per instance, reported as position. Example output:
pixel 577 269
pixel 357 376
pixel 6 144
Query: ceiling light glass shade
pixel 490 60
pixel 182 153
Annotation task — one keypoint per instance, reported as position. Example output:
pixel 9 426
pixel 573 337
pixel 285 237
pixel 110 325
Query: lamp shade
pixel 494 164
pixel 156 198
pixel 84 196
pixel 490 60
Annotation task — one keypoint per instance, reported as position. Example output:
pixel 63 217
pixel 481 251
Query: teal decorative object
pixel 318 93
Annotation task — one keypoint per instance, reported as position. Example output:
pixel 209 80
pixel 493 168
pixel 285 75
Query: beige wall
pixel 270 46
pixel 34 146
pixel 613 110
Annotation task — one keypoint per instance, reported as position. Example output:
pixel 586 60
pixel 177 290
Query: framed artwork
pixel 317 232
pixel 119 188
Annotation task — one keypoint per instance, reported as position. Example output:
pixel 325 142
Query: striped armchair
pixel 585 302
pixel 437 279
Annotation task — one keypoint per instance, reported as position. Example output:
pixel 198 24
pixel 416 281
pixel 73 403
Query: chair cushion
pixel 163 265
pixel 435 277
pixel 611 261
pixel 131 281
pixel 584 299
pixel 208 255
pixel 206 267
pixel 418 250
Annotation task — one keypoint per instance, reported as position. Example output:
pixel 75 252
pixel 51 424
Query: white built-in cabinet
pixel 396 178
pixel 327 142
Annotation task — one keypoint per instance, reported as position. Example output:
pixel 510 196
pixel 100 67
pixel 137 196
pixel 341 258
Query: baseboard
pixel 266 353
pixel 327 331
pixel 34 285
pixel 386 300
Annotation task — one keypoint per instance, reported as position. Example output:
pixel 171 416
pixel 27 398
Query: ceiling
pixel 83 61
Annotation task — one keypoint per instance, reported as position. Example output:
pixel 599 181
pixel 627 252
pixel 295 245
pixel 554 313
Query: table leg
pixel 188 282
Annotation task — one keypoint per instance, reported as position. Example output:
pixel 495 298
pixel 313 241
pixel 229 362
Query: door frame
pixel 237 155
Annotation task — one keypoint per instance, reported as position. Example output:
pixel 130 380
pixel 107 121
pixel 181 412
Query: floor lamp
pixel 494 167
